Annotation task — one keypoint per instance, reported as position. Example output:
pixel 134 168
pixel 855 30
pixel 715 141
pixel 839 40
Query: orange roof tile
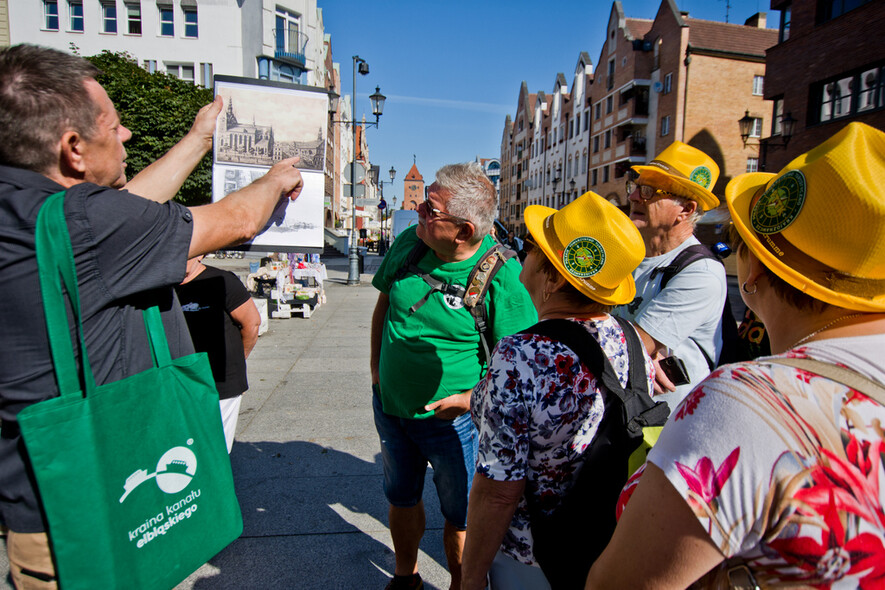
pixel 731 38
pixel 414 174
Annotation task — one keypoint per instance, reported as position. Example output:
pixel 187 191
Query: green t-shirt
pixel 434 352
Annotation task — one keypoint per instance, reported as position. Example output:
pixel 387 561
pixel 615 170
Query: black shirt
pixel 129 252
pixel 207 302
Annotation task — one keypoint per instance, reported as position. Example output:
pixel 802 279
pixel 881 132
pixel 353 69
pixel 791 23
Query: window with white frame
pixel 752 164
pixel 665 126
pixel 287 34
pixel 191 28
pixel 109 17
pixel 668 83
pixel 167 20
pixel 133 18
pixel 776 127
pixel 584 162
pixel 75 11
pixel 50 15
pixel 758 82
pixel 150 65
pixel 183 71
pixel 756 127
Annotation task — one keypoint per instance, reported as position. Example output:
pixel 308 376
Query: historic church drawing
pixel 248 143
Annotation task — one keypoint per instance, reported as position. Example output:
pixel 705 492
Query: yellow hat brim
pixel 682 187
pixel 739 195
pixel 624 292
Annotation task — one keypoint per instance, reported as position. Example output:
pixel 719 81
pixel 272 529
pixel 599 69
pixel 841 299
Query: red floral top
pixel 783 468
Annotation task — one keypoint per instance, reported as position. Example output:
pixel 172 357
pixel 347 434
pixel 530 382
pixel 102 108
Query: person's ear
pixel 71 154
pixel 465 232
pixel 689 207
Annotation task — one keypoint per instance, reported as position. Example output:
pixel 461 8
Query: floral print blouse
pixel 783 468
pixel 537 410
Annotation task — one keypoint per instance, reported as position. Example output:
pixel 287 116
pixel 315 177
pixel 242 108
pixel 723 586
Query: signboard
pixel 368 203
pixel 261 123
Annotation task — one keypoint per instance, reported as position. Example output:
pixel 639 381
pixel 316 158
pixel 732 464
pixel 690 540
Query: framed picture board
pixel 261 123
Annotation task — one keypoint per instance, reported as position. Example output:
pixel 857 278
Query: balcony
pixel 289 47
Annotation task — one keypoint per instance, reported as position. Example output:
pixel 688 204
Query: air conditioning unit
pixel 658 87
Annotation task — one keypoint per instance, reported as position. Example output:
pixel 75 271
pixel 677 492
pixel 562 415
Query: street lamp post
pixel 747 124
pixel 359 64
pixel 386 239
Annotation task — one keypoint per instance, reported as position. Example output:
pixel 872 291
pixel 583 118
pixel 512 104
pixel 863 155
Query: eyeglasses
pixel 646 192
pixel 437 214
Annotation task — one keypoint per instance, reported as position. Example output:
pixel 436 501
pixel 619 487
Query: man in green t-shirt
pixel 425 361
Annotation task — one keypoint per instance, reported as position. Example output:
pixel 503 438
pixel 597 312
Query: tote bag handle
pixel 55 257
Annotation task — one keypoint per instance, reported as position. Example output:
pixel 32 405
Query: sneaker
pixel 413 582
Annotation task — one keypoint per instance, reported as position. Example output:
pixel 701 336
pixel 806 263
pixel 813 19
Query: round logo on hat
pixel 583 257
pixel 779 206
pixel 702 176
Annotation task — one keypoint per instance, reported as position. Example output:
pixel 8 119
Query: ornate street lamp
pixel 788 124
pixel 359 65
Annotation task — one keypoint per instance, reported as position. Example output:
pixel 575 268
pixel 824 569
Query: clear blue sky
pixel 452 70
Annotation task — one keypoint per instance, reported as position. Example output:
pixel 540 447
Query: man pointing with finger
pixel 59 131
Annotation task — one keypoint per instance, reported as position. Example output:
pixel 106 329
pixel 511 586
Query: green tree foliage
pixel 159 109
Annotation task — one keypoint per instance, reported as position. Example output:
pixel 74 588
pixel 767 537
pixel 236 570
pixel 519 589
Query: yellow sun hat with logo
pixel 684 171
pixel 819 224
pixel 592 244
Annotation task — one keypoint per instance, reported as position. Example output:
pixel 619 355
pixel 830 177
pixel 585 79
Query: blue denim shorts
pixel 407 446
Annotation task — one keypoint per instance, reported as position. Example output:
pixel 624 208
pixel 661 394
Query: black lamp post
pixel 359 65
pixel 788 124
pixel 392 173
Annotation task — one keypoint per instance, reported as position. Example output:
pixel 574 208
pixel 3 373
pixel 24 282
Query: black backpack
pixel 473 296
pixel 568 541
pixel 734 348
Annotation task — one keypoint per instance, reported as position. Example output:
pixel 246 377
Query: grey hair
pixel 698 212
pixel 42 95
pixel 471 195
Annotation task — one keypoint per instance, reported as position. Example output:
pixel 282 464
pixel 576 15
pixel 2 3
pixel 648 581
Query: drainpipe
pixel 687 63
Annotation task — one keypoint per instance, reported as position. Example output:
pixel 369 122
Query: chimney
pixel 757 21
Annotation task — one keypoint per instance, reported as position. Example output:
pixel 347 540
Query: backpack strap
pixel 843 375
pixel 640 410
pixel 478 282
pixel 689 255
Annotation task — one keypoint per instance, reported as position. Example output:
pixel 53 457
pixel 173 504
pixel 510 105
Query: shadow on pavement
pixel 313 517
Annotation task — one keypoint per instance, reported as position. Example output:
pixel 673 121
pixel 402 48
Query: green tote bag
pixel 133 475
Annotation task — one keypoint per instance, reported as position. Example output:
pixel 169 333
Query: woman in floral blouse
pixel 539 407
pixel 769 474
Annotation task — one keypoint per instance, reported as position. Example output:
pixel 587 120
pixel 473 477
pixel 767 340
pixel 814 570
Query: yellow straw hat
pixel 592 244
pixel 684 171
pixel 819 224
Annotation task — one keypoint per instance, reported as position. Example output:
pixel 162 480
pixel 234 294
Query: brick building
pixel 826 71
pixel 676 78
pixel 655 82
pixel 413 189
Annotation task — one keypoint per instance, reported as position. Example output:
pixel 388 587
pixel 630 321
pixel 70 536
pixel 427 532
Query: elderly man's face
pixel 655 214
pixel 437 227
pixel 104 155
